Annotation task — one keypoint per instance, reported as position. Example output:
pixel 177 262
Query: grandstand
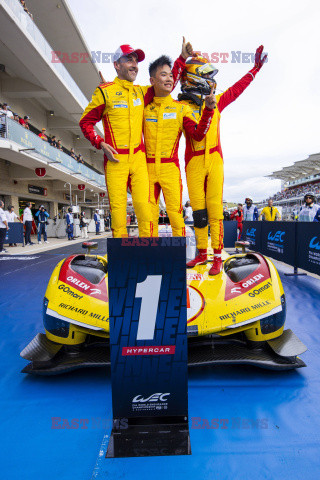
pixel 297 179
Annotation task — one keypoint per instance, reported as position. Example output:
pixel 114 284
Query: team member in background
pixel 11 217
pixel 3 227
pixel 42 217
pixel 317 216
pixel 270 213
pixel 188 214
pixel 226 215
pixel 83 225
pixel 69 220
pixel 43 135
pixel 238 216
pixel 27 220
pixel 164 121
pixel 120 104
pixel 250 211
pixel 204 161
pixel 96 218
pixel 309 211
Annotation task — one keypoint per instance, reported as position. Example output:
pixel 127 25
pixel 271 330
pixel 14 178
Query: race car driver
pixel 119 104
pixel 238 216
pixel 204 160
pixel 164 121
pixel 250 211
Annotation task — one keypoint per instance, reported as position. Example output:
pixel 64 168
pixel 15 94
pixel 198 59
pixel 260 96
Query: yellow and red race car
pixel 236 317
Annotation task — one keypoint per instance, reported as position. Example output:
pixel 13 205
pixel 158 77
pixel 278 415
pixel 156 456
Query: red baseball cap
pixel 126 50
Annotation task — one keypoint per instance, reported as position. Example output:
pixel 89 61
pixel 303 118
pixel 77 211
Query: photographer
pixel 42 215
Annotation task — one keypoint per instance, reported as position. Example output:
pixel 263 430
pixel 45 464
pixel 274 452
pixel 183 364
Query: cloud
pixel 275 121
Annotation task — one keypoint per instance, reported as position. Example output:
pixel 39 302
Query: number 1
pixel 149 292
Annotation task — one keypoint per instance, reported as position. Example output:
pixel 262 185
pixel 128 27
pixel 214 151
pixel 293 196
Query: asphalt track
pixel 268 422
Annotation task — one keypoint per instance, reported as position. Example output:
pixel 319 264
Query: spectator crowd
pixel 5 110
pixel 295 192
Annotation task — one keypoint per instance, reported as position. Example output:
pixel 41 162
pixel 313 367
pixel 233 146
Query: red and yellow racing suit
pixel 164 121
pixel 204 170
pixel 120 104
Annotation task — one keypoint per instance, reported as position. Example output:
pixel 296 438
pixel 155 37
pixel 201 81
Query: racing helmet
pixel 310 194
pixel 198 76
pixel 249 199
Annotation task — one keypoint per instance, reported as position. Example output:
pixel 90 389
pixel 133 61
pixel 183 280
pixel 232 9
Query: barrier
pixel 15 233
pixel 308 246
pixel 251 233
pixel 294 243
pixel 278 240
pixel 230 234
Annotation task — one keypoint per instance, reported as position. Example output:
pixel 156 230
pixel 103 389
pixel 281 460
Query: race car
pixel 236 317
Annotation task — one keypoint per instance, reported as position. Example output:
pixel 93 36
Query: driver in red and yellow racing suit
pixel 164 121
pixel 204 160
pixel 120 104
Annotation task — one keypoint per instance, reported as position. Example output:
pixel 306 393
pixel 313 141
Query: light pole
pixel 67 183
pixel 98 199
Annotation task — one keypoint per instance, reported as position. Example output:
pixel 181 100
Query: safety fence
pixel 294 243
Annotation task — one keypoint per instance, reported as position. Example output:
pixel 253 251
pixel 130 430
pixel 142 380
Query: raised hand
pixel 187 50
pixel 210 100
pixel 259 58
pixel 109 151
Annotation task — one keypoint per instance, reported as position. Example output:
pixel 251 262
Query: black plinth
pixel 149 440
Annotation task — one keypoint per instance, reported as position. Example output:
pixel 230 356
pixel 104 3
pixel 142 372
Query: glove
pixel 259 60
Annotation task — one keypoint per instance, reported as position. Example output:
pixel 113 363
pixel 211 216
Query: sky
pixel 275 122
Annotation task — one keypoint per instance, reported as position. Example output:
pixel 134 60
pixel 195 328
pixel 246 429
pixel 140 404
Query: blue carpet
pixel 267 422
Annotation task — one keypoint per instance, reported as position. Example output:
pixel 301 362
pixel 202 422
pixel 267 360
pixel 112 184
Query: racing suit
pixel 120 104
pixel 164 121
pixel 270 214
pixel 238 215
pixel 204 168
pixel 250 214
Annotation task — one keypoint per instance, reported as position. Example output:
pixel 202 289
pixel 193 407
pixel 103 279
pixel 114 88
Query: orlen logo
pixel 251 232
pixel 277 237
pixel 155 397
pixel 252 280
pixel 248 283
pixel 314 244
pixel 79 284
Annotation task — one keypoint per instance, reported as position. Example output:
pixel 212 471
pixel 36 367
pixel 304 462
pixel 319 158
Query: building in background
pixel 53 95
pixel 301 177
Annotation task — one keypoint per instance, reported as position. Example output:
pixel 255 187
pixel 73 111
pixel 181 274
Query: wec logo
pixel 155 397
pixel 251 232
pixel 277 237
pixel 314 244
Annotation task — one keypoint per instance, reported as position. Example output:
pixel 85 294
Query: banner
pixel 251 233
pixel 308 247
pixel 278 240
pixel 15 233
pixel 230 233
pixel 148 320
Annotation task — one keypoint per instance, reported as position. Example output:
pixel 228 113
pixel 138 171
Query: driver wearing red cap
pixel 120 104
